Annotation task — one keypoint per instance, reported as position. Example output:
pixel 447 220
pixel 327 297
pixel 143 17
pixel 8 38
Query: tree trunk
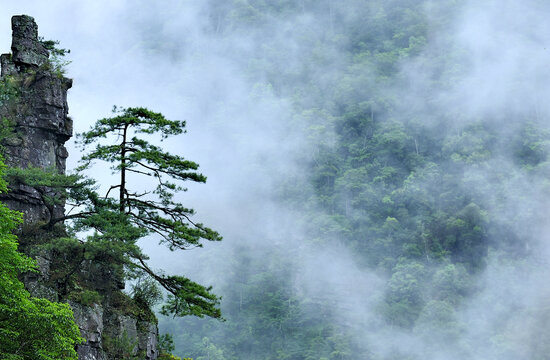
pixel 122 197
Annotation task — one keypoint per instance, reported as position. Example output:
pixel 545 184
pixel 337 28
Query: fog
pixel 178 57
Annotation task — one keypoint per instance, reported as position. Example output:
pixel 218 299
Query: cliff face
pixel 37 110
pixel 38 115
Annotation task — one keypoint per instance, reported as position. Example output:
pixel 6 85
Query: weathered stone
pixel 8 67
pixel 148 340
pixel 140 336
pixel 103 279
pixel 39 290
pixel 40 117
pixel 13 141
pixel 25 47
pixel 90 323
pixel 87 352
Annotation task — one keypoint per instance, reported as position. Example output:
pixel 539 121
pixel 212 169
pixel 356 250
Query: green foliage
pixel 8 90
pixel 113 225
pixel 189 298
pixel 122 346
pixel 165 356
pixel 166 343
pixel 56 62
pixel 211 351
pixel 166 346
pixel 86 297
pixel 30 328
pixel 146 292
pixel 127 306
pixel 51 46
pixel 131 155
pixel 404 296
pixel 532 148
pixel 438 323
pixel 265 316
pixel 118 222
pixel 6 132
pixel 451 283
pixel 53 188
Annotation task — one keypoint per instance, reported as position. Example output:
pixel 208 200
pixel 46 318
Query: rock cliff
pixel 34 101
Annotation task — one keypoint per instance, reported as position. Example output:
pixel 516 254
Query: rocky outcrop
pixel 25 47
pixel 34 100
pixel 90 321
pixel 38 112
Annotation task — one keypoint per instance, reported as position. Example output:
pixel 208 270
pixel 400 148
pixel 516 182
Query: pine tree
pixel 120 220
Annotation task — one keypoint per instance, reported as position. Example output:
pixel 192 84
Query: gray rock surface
pixel 148 340
pixel 25 47
pixel 39 115
pixel 90 322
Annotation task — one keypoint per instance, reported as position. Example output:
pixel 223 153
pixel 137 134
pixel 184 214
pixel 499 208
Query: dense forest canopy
pixel 426 160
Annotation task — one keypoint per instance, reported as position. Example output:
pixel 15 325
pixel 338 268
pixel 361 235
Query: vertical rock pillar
pixel 38 112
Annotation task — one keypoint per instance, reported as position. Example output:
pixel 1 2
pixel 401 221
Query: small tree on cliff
pixel 125 214
pixel 156 211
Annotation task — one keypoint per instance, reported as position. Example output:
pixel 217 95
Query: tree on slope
pixel 124 214
pixel 159 213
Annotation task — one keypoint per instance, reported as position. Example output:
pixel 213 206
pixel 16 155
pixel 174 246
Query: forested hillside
pixel 434 178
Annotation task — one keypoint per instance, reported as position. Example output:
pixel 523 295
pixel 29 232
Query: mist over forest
pixel 379 169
